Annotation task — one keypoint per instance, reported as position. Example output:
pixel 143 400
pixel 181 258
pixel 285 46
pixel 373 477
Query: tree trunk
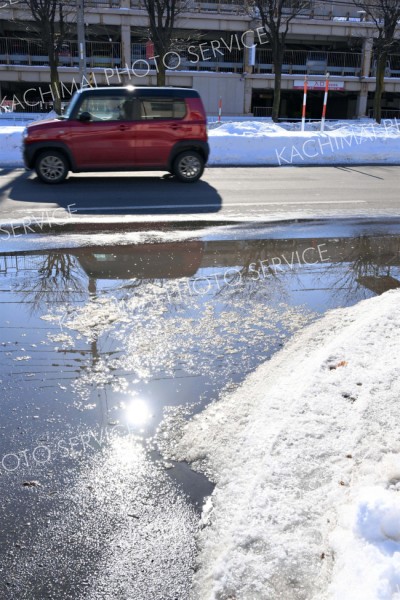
pixel 161 75
pixel 277 87
pixel 55 84
pixel 380 85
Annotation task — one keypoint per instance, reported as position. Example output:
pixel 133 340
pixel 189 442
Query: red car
pixel 122 129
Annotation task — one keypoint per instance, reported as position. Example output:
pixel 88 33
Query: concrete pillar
pixel 126 52
pixel 362 101
pixel 249 52
pixel 366 57
pixel 366 60
pixel 248 95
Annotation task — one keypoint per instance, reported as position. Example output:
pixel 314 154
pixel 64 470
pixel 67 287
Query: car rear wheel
pixel 188 166
pixel 51 167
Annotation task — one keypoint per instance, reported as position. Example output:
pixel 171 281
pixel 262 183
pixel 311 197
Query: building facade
pixel 223 53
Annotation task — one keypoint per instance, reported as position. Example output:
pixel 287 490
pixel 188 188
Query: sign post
pixel 80 23
pixel 325 102
pixel 303 115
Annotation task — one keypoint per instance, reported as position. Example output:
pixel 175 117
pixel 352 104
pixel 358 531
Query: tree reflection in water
pixel 50 279
pixel 369 264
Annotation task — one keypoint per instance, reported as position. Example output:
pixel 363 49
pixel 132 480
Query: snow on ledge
pixel 305 456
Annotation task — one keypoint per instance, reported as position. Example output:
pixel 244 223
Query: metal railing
pixel 304 62
pixel 392 68
pixel 88 4
pixel 394 65
pixel 229 61
pixel 217 6
pixel 387 113
pixel 102 3
pixel 14 109
pixel 214 6
pixel 32 52
pixel 262 111
pixel 316 10
pixel 19 263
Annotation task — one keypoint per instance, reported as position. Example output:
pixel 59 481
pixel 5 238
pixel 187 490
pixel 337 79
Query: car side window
pixel 130 109
pixel 103 108
pixel 162 108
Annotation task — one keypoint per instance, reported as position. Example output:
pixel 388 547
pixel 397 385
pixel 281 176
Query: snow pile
pixel 11 145
pixel 266 125
pixel 267 143
pixel 368 547
pixel 306 504
pixel 247 128
pixel 255 143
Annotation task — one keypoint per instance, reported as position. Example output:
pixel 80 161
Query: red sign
pixel 149 49
pixel 318 85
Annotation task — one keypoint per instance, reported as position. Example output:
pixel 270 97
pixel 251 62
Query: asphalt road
pixel 223 194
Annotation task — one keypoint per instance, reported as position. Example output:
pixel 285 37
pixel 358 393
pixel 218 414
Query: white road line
pixel 222 205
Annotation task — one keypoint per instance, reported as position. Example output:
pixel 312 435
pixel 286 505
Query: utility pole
pixel 80 22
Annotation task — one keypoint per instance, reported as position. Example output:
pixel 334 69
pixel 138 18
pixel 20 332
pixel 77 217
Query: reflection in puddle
pixel 137 413
pixel 98 345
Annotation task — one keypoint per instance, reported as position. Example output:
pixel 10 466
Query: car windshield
pixel 69 107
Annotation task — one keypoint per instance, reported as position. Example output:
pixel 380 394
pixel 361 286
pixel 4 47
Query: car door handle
pixel 174 126
pixel 123 127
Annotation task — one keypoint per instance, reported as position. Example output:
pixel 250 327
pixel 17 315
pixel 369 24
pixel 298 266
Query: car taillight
pixel 196 109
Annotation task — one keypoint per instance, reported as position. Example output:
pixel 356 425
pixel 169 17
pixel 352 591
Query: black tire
pixel 51 166
pixel 188 166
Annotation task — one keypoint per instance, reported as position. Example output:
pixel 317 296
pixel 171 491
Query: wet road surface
pixel 103 347
pixel 223 193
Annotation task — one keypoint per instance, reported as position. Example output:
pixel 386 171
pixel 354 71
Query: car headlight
pixel 25 133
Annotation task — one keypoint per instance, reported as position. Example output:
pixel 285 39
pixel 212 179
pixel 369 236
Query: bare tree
pixel 276 16
pixel 52 27
pixel 385 14
pixel 162 19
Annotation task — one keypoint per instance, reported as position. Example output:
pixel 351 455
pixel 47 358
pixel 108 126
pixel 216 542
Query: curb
pixel 18 229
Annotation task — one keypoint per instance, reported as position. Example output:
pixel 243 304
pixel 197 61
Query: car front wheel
pixel 51 167
pixel 188 166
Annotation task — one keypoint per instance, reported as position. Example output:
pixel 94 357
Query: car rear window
pixel 162 108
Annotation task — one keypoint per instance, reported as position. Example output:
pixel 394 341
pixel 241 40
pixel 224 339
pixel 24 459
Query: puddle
pixel 99 345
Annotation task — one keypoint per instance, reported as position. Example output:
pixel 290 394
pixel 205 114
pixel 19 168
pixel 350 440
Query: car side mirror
pixel 85 117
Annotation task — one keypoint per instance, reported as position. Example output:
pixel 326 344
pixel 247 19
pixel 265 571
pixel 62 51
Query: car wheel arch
pixel 197 146
pixel 59 147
